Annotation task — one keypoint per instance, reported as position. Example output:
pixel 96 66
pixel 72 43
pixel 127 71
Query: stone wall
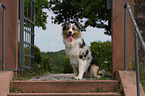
pixel 140 18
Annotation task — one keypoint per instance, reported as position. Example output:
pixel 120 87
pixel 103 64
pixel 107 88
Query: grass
pixel 35 91
pixel 120 91
pixel 14 90
pixel 100 89
pixel 142 73
pixel 18 90
pixel 142 67
pixel 28 74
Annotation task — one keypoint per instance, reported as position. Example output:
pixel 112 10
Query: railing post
pixel 3 39
pixel 125 39
pixel 21 66
pixel 137 64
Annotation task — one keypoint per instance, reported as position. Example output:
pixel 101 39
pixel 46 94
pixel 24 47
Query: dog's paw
pixel 73 77
pixel 98 76
pixel 78 78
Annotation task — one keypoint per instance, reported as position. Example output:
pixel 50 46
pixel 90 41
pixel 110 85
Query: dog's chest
pixel 73 52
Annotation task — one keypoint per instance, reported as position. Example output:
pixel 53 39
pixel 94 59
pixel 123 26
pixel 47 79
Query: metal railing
pixel 136 34
pixel 3 36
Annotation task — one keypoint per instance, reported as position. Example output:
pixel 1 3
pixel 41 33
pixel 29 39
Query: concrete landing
pixel 128 83
pixel 5 78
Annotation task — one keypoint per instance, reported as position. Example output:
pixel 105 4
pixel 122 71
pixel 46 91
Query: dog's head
pixel 71 31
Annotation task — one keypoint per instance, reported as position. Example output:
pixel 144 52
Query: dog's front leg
pixel 75 69
pixel 82 69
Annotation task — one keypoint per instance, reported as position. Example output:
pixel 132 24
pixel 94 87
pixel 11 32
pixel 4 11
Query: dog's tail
pixel 101 72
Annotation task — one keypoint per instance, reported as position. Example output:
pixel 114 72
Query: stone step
pixel 75 86
pixel 65 94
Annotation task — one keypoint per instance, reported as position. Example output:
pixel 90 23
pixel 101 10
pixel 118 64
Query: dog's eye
pixel 73 29
pixel 68 28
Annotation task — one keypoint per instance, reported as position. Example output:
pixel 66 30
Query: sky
pixel 51 39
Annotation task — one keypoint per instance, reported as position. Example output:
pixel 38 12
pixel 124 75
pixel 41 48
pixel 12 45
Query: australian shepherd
pixel 79 53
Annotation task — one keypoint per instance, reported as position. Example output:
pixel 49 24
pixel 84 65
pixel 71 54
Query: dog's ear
pixel 80 26
pixel 65 25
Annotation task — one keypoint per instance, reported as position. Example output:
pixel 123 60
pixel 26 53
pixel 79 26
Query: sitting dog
pixel 79 53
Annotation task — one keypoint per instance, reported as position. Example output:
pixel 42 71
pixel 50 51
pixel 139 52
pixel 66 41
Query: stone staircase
pixel 66 88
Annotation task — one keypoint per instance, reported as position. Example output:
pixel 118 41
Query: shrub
pixel 67 66
pixel 41 63
pixel 45 64
pixel 37 55
pixel 102 52
pixel 37 69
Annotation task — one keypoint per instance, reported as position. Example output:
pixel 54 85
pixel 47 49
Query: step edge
pixel 113 93
pixel 69 81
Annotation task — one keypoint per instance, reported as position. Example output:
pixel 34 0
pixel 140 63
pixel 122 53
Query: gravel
pixel 54 77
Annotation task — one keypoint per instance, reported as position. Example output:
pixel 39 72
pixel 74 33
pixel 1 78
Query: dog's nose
pixel 70 33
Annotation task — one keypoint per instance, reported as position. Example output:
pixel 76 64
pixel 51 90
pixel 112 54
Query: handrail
pixel 136 33
pixel 3 36
pixel 2 5
pixel 135 25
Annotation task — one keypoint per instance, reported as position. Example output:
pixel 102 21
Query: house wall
pixel 11 34
pixel 118 36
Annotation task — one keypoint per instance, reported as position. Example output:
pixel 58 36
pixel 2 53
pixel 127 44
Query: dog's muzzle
pixel 70 37
pixel 70 33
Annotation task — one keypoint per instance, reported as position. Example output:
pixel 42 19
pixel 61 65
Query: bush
pixel 102 52
pixel 45 64
pixel 37 69
pixel 57 60
pixel 41 63
pixel 37 55
pixel 67 66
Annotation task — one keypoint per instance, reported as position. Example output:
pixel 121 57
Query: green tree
pixel 40 15
pixel 94 12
